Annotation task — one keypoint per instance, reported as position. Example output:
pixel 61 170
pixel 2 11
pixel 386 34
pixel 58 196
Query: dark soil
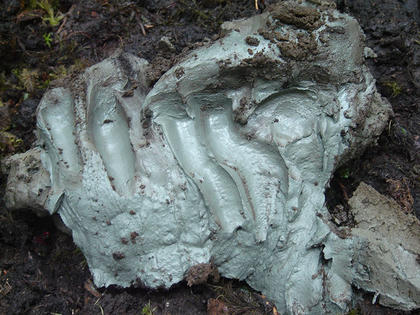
pixel 392 166
pixel 41 270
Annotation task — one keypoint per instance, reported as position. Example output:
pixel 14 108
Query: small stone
pixel 165 43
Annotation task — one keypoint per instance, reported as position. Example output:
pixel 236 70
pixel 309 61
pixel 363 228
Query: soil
pixel 41 270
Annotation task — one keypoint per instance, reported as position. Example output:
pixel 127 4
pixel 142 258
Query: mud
pixel 392 31
pixel 41 271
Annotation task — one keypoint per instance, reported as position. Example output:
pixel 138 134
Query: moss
pixel 9 143
pixel 396 89
pixel 147 309
pixel 53 18
pixel 344 173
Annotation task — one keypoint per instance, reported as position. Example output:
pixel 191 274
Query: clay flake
pixel 224 160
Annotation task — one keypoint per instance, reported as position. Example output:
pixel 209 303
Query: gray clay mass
pixel 224 160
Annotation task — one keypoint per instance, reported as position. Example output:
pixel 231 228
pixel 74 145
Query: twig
pixel 65 18
pixel 142 29
pixel 346 196
pixel 77 33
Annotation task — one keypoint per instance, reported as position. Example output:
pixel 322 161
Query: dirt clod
pixel 200 273
pixel 300 16
pixel 252 41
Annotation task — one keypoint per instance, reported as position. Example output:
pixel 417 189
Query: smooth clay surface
pixel 390 246
pixel 224 160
